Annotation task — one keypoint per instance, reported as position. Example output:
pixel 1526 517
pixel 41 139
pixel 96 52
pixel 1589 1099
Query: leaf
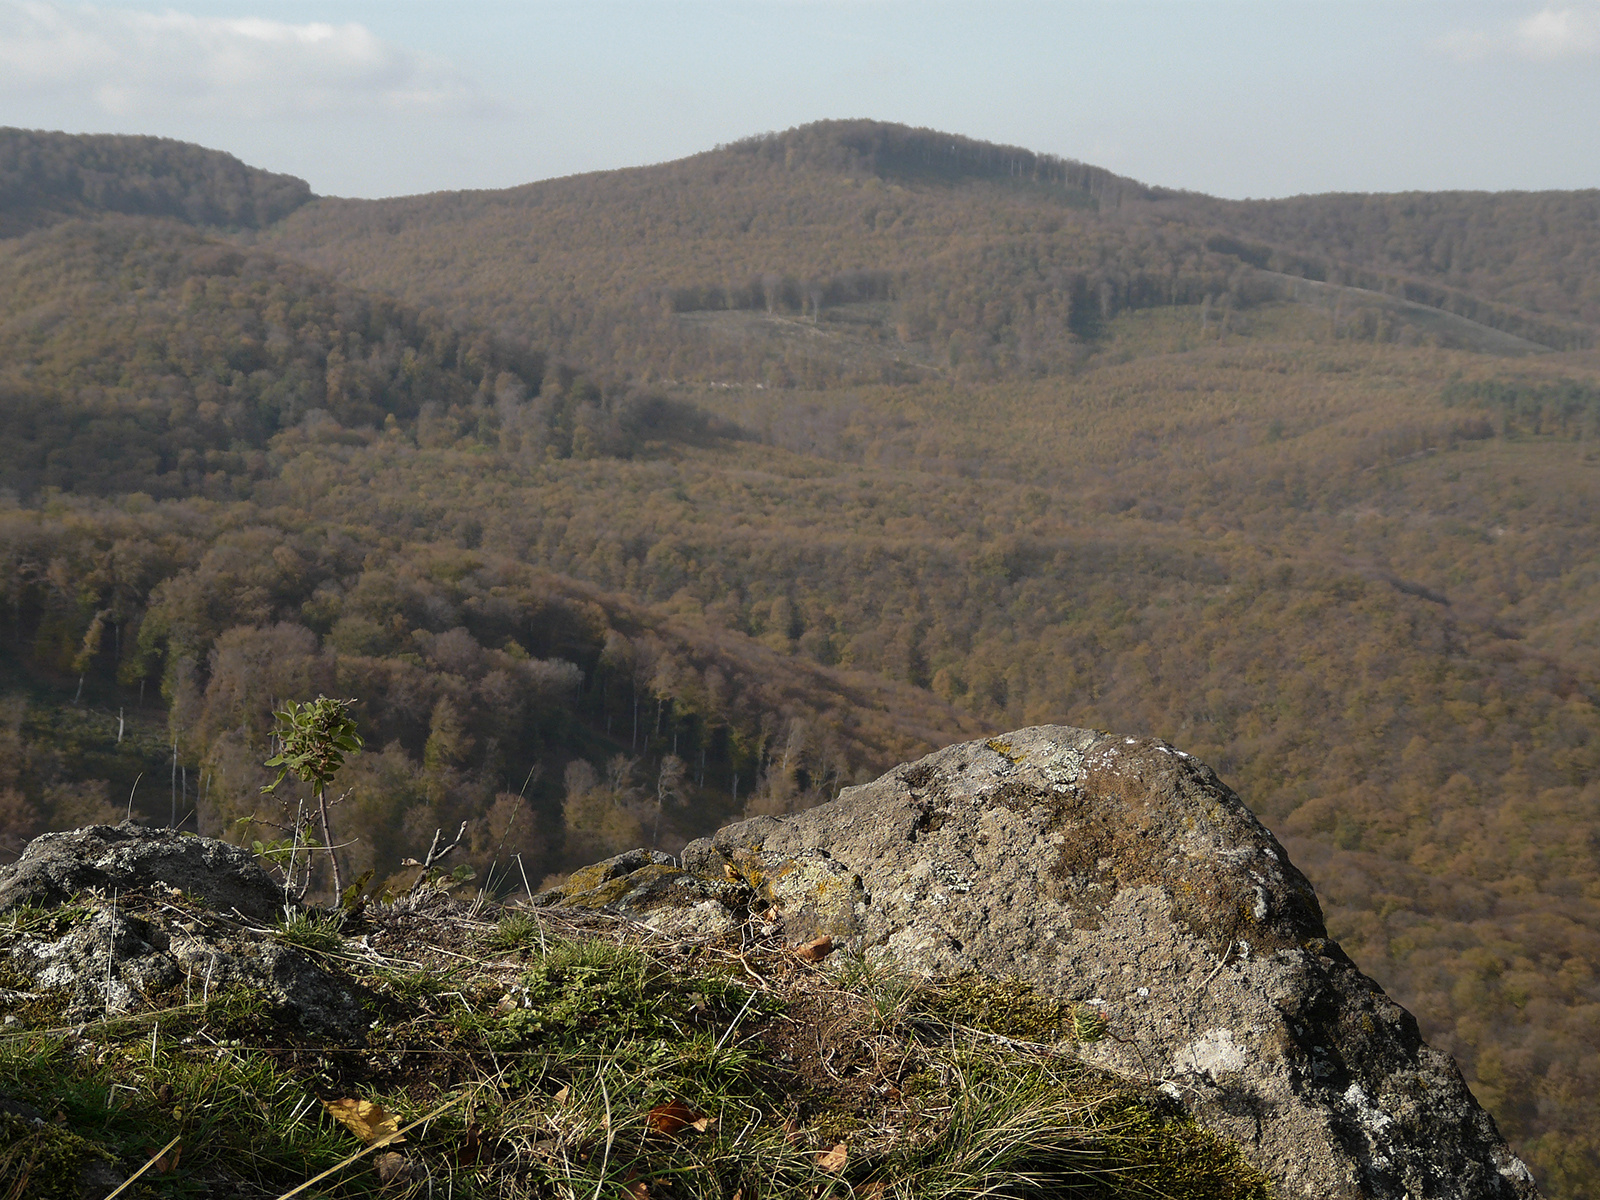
pixel 393 1168
pixel 367 1120
pixel 352 893
pixel 168 1162
pixel 472 1149
pixel 561 1096
pixel 674 1117
pixel 815 951
pixel 833 1160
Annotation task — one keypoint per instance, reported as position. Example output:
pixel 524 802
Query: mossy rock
pixel 45 1161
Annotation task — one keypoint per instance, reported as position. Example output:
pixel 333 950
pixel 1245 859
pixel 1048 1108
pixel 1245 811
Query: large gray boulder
pixel 1124 876
pixel 56 866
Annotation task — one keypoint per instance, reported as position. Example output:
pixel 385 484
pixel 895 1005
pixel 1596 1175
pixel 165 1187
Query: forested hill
pixel 626 502
pixel 50 177
pixel 912 253
pixel 1536 251
pixel 139 355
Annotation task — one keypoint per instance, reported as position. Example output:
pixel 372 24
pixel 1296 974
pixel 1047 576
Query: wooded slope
pixel 793 458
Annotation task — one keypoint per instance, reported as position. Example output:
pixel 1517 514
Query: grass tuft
pixel 308 929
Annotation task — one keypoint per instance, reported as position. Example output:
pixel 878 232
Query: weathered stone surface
pixel 115 961
pixel 141 945
pixel 1121 875
pixel 650 887
pixel 56 866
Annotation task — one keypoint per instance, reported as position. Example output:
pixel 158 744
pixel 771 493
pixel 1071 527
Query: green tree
pixel 313 739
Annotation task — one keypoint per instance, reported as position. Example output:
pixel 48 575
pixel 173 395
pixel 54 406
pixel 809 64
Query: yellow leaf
pixel 368 1121
pixel 833 1160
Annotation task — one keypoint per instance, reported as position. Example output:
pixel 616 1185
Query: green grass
pixel 312 930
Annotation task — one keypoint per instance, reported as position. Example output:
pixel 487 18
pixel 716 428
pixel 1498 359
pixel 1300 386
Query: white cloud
pixel 156 63
pixel 1560 33
pixel 1554 32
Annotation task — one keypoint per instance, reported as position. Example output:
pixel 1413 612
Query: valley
pixel 801 457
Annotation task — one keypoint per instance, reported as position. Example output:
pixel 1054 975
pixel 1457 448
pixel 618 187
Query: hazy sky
pixel 383 97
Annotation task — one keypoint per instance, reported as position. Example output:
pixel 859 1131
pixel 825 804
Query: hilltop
pixel 858 251
pixel 46 178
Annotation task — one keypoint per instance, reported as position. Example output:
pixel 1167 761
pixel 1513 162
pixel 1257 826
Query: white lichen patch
pixel 1373 1118
pixel 1213 1053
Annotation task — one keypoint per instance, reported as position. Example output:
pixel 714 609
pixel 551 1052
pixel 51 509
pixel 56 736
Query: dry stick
pixel 435 854
pixel 511 824
pixel 132 790
pixel 154 1158
pixel 365 1150
pixel 729 1032
pixel 1226 955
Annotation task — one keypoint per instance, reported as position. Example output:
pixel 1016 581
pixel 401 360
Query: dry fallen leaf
pixel 561 1096
pixel 674 1117
pixel 816 951
pixel 368 1121
pixel 169 1162
pixel 393 1168
pixel 470 1151
pixel 833 1160
pixel 872 1191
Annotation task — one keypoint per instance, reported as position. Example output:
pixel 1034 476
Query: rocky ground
pixel 171 1030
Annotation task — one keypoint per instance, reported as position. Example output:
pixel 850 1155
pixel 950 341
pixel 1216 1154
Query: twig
pixel 735 1024
pixel 1226 954
pixel 365 1150
pixel 154 1158
pixel 436 854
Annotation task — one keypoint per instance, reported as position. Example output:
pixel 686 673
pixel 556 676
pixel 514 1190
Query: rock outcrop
pixel 56 866
pixel 1124 876
pixel 158 917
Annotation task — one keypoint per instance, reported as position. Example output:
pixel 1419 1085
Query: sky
pixel 1261 98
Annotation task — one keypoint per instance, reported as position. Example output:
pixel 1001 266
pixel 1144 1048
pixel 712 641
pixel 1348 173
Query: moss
pixel 1008 1007
pixel 1175 1158
pixel 46 1162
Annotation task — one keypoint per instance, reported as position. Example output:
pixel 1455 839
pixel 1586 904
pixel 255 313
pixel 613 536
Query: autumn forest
pixel 627 503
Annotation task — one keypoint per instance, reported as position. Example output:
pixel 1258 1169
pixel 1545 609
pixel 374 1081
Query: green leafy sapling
pixel 313 739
